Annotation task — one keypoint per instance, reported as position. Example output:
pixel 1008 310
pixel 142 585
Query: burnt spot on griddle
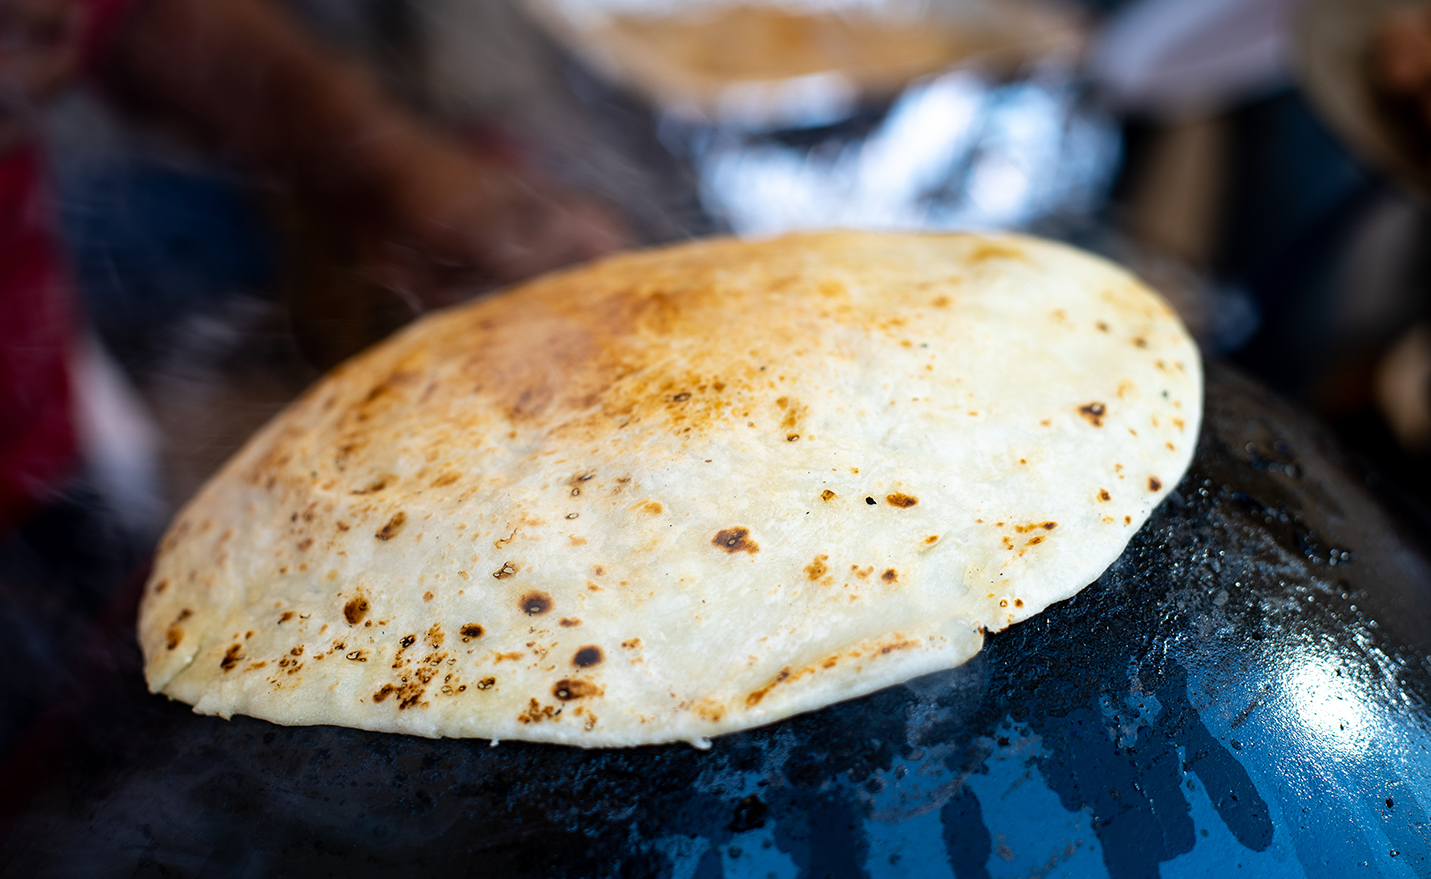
pixel 470 631
pixel 393 527
pixel 567 690
pixel 1094 412
pixel 871 501
pixel 1035 526
pixel 903 501
pixel 486 683
pixel 232 657
pixel 1154 483
pixel 827 495
pixel 435 636
pixel 173 637
pixel 890 575
pixel 734 540
pixel 750 813
pixel 1104 496
pixel 535 603
pixel 507 570
pixel 817 568
pixel 569 622
pixel 285 617
pixel 160 586
pixel 355 610
pixel 407 641
pixel 588 656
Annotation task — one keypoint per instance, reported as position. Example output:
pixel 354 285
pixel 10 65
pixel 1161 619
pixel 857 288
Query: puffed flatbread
pixel 681 493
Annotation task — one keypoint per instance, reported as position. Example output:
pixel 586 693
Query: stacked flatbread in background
pixel 681 493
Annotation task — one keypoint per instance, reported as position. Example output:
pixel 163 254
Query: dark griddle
pixel 1163 710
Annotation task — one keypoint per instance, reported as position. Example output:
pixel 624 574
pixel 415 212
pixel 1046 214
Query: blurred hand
pixel 455 222
pixel 433 217
pixel 427 214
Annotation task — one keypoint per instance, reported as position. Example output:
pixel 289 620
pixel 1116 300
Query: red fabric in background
pixel 38 317
pixel 102 20
pixel 37 328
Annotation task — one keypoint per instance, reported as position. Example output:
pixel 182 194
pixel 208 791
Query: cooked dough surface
pixel 682 492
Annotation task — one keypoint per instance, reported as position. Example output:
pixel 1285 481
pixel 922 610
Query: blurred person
pixel 242 77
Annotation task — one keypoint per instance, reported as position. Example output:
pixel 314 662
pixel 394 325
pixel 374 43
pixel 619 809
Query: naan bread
pixel 680 493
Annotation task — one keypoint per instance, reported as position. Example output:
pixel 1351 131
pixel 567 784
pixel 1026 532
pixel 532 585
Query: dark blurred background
pixel 1195 158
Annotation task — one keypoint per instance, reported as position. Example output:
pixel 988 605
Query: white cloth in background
pixel 118 440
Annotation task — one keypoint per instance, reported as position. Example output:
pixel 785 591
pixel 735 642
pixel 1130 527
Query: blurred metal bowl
pixel 803 114
pixel 774 64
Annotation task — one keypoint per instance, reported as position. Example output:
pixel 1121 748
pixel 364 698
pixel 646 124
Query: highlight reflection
pixel 1329 705
pixel 960 150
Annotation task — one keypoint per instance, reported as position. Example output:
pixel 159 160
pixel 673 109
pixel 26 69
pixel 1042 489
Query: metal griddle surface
pixel 1246 687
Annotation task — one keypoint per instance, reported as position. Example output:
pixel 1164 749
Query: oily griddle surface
pixel 1259 647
